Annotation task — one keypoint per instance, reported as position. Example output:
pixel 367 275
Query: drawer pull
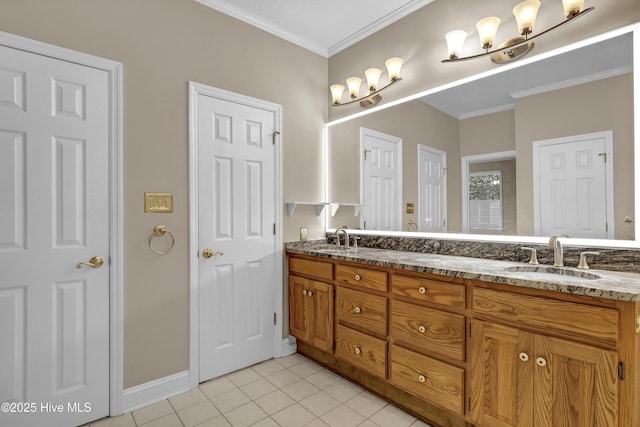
pixel 357 277
pixel 357 310
pixel 421 378
pixel 541 362
pixel 357 350
pixel 310 293
pixel 422 290
pixel 422 329
pixel 304 292
pixel 524 357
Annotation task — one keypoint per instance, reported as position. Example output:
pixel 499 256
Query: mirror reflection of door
pixel 489 193
pixel 432 190
pixel 573 180
pixel 381 186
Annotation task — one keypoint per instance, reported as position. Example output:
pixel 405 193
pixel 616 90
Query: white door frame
pixel 608 148
pixel 114 71
pixel 392 139
pixel 477 158
pixel 422 148
pixel 196 89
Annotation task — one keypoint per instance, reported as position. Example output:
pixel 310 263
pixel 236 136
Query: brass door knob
pixel 95 262
pixel 208 253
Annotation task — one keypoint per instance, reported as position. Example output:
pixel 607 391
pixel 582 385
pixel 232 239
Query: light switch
pixel 409 208
pixel 158 202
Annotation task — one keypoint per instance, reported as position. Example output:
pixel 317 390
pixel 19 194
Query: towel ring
pixel 161 230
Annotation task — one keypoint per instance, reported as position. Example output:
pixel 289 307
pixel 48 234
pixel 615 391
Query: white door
pixel 574 187
pixel 381 166
pixel 432 190
pixel 54 214
pixel 236 218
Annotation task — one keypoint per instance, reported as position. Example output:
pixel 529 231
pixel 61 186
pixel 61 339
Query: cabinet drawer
pixel 541 313
pixel 427 330
pixel 323 270
pixel 362 351
pixel 371 279
pixel 429 290
pixel 428 378
pixel 362 310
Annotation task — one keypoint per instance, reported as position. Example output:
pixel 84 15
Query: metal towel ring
pixel 161 230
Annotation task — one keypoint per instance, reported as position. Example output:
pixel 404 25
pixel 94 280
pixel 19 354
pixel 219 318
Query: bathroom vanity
pixel 462 341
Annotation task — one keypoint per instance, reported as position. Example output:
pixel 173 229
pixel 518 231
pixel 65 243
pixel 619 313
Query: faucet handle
pixel 583 260
pixel 534 255
pixel 355 241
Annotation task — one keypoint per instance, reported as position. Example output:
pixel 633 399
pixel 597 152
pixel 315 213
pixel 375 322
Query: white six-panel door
pixel 432 190
pixel 54 214
pixel 574 185
pixel 236 217
pixel 381 169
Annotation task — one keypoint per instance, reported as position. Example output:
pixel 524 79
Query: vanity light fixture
pixel 516 47
pixel 372 97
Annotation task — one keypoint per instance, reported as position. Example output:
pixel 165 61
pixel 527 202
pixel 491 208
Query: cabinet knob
pixel 421 378
pixel 541 362
pixel 304 292
pixel 357 350
pixel 523 356
pixel 310 293
pixel 422 329
pixel 357 277
pixel 422 290
pixel 357 310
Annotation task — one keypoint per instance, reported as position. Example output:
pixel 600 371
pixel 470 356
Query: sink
pixel 551 272
pixel 336 250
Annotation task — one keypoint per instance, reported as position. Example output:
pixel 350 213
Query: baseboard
pixel 289 346
pixel 154 391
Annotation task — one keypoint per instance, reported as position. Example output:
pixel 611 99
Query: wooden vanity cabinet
pixel 311 303
pixel 469 353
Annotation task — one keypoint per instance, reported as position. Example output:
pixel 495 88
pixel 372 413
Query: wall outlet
pixel 303 233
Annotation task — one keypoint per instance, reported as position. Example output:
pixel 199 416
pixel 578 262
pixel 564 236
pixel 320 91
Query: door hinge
pixel 606 226
pixel 365 225
pixel 444 171
pixel 365 154
pixel 275 133
pixel 444 222
pixel 603 155
pixel 621 370
pixel 275 318
pixel 274 228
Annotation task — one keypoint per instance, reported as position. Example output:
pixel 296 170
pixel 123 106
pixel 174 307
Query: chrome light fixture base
pixel 371 101
pixel 520 48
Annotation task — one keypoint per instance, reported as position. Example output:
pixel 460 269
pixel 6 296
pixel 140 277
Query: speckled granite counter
pixel 596 283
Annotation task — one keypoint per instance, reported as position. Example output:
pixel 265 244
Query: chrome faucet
pixel 346 236
pixel 558 250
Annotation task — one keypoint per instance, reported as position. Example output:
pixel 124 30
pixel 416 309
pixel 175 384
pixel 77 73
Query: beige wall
pixel 164 44
pixel 491 133
pixel 419 40
pixel 592 107
pixel 416 123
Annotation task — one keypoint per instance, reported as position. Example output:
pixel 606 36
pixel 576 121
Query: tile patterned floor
pixel 290 392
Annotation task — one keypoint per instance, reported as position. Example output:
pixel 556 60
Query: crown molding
pixel 242 15
pixel 378 25
pixel 486 111
pixel 312 45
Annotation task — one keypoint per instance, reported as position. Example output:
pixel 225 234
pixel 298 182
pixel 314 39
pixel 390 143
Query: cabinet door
pixel 299 307
pixel 501 375
pixel 322 315
pixel 575 384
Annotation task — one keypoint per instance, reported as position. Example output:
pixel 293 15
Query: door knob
pixel 95 262
pixel 208 253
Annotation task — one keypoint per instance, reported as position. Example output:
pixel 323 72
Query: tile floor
pixel 290 391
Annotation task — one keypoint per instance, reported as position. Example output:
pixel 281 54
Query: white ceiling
pixel 322 26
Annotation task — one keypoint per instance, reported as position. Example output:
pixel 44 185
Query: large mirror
pixel 544 148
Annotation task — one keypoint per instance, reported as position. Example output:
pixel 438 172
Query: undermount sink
pixel 549 272
pixel 336 250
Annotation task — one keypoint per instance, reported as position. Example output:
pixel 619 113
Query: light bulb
pixel 336 93
pixel 373 77
pixel 394 65
pixel 572 7
pixel 455 42
pixel 487 29
pixel 353 83
pixel 525 14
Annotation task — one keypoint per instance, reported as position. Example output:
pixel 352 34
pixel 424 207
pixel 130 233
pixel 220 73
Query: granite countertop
pixel 596 283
